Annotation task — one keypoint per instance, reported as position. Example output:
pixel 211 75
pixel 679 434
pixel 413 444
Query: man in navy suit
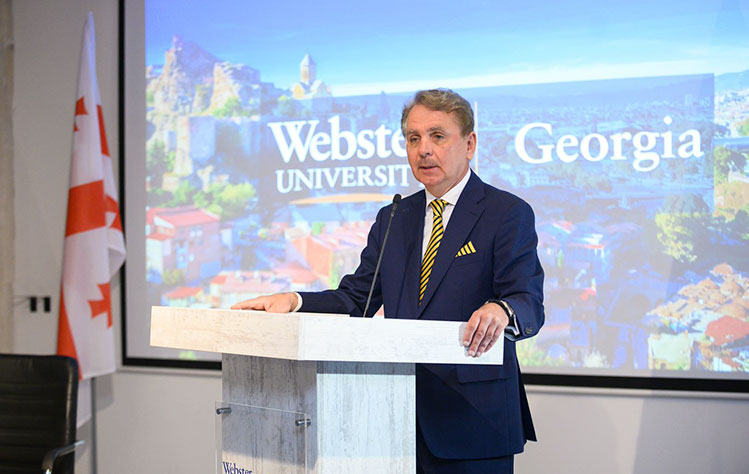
pixel 470 256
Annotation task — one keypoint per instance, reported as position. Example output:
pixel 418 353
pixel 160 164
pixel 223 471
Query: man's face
pixel 437 152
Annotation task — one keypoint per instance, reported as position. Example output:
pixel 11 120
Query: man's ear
pixel 471 145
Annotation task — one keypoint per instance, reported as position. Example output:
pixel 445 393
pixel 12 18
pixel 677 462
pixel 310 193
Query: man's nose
pixel 425 148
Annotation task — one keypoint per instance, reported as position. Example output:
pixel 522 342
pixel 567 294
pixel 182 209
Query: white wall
pixel 162 421
pixel 592 431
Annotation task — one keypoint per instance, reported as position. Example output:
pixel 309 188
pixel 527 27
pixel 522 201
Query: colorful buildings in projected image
pixel 184 296
pixel 552 237
pixel 578 255
pixel 330 253
pixel 299 277
pixel 185 239
pixel 228 287
pixel 705 326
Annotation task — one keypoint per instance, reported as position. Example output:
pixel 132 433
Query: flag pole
pixel 94 444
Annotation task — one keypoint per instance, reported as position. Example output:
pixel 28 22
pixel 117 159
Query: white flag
pixel 94 244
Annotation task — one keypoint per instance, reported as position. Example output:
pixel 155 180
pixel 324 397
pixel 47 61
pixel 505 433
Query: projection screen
pixel 261 138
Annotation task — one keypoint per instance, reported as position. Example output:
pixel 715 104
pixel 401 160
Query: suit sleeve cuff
pixel 299 302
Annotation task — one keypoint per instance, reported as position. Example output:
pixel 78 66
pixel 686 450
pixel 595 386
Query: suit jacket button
pixel 529 331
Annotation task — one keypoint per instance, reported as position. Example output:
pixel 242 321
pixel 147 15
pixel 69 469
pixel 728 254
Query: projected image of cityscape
pixel 265 182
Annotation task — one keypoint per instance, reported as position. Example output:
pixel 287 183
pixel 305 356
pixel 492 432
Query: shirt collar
pixel 451 197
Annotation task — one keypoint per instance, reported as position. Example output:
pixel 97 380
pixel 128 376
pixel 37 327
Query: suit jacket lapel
pixel 413 231
pixel 462 220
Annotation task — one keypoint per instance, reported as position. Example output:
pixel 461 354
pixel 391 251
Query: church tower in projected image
pixel 312 93
pixel 307 69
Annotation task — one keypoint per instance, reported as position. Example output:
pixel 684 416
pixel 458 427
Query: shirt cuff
pixel 299 304
pixel 512 327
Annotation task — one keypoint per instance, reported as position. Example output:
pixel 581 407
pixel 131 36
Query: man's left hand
pixel 486 326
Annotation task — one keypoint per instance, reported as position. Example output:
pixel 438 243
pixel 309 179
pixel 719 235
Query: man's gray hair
pixel 442 100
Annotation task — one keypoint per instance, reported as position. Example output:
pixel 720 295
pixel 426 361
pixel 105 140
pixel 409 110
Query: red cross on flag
pixel 94 244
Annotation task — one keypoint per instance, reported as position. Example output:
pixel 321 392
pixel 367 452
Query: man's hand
pixel 278 303
pixel 486 326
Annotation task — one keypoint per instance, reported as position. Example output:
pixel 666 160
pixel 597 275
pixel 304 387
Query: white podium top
pixel 314 336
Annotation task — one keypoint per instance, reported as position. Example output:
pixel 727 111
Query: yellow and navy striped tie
pixel 438 205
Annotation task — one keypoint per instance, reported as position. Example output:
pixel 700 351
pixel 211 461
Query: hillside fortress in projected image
pixel 640 188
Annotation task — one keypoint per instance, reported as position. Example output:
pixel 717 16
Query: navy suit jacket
pixel 464 411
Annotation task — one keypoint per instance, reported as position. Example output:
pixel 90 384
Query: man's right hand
pixel 278 303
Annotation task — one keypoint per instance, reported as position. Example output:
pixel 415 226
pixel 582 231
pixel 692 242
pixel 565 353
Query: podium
pixel 315 393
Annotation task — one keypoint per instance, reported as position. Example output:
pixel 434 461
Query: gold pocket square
pixel 466 249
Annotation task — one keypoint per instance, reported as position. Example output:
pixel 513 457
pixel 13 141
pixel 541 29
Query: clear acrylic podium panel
pixel 257 440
